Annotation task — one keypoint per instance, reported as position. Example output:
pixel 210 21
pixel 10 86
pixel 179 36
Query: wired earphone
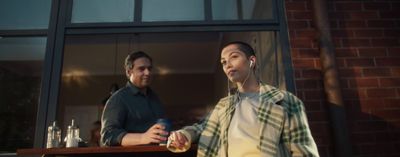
pixel 237 98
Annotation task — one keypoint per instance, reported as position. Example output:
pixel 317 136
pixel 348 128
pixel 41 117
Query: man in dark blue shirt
pixel 130 115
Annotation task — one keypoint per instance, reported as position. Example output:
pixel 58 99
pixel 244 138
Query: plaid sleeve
pixel 297 135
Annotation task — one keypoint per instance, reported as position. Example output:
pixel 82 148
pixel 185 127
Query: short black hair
pixel 133 56
pixel 244 47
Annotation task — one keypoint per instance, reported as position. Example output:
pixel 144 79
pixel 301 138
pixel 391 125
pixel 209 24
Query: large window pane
pixel 21 64
pixel 89 11
pixel 257 9
pixel 24 14
pixel 224 10
pixel 173 10
pixel 242 9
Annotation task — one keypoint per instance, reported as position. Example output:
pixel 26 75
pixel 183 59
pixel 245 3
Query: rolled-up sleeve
pixel 113 120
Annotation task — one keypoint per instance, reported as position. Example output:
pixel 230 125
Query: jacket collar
pixel 270 93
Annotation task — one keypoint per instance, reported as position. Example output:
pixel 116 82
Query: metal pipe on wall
pixel 342 145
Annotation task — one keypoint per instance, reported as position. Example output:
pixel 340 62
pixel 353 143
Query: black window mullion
pixel 23 33
pixel 69 12
pixel 208 10
pixel 137 17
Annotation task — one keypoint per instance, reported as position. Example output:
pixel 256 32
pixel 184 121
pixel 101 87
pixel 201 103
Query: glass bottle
pixel 53 136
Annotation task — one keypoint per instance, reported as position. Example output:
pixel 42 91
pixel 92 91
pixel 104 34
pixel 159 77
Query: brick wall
pixel 366 34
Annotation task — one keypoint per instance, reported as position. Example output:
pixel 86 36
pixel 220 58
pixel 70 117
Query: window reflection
pixel 21 64
pixel 24 14
pixel 173 10
pixel 242 9
pixel 89 11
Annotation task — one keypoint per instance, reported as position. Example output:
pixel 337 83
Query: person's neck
pixel 250 86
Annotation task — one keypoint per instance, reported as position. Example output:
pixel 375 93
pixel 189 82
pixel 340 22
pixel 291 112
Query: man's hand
pixel 154 134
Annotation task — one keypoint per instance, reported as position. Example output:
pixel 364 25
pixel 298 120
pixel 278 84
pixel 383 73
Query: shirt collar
pixel 135 90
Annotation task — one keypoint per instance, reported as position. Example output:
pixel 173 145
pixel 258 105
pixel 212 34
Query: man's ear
pixel 128 73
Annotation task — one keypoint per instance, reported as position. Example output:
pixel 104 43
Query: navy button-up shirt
pixel 129 111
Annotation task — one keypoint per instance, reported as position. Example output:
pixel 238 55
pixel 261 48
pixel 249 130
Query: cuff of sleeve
pixel 118 139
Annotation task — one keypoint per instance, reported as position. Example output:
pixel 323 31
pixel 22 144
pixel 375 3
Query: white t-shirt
pixel 243 132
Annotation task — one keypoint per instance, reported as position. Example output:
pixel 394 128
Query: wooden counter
pixel 144 150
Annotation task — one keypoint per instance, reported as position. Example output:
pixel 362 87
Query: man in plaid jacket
pixel 258 120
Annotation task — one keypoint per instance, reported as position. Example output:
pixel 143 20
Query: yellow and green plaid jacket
pixel 284 128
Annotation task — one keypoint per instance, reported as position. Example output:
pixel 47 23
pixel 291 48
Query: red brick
pixel 360 62
pixel 381 23
pixel 296 6
pixel 376 6
pixel 308 84
pixel 297 73
pixel 389 14
pixel 302 43
pixel 395 71
pixel 368 33
pixel 363 15
pixel 354 93
pixel 344 83
pixel 372 52
pixel 342 33
pixel 363 82
pixel 356 43
pixel 311 73
pixel 363 138
pixel 368 104
pixel 316 116
pixel 318 64
pixel 289 15
pixel 392 103
pixel 369 126
pixel 308 53
pixel 304 63
pixel 346 52
pixel 393 61
pixel 319 128
pixel 350 72
pixel 376 72
pixel 390 82
pixel 392 32
pixel 387 114
pixel 356 6
pixel 298 24
pixel 354 111
pixel 381 93
pixel 353 24
pixel 385 42
pixel 337 42
pixel 340 62
pixel 303 15
pixel 309 33
pixel 314 95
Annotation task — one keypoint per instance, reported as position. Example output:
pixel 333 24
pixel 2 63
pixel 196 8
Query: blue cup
pixel 167 127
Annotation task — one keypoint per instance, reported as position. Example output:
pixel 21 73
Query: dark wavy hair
pixel 133 56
